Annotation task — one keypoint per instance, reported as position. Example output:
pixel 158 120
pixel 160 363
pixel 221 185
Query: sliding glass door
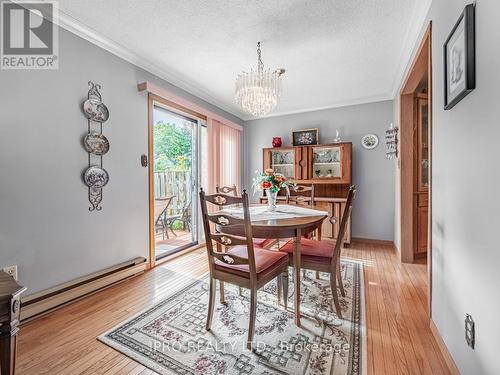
pixel 178 142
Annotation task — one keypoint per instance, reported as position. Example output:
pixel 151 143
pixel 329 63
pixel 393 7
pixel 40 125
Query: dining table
pixel 285 222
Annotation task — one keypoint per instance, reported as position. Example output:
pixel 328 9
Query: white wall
pixel 466 207
pixel 373 174
pixel 45 225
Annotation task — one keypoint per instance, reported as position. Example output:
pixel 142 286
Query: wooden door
pixel 335 209
pixel 301 163
pixel 422 230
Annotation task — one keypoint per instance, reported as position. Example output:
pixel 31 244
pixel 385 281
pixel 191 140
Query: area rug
pixel 170 337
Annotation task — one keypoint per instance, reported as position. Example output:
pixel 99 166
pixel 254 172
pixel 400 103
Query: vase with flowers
pixel 272 182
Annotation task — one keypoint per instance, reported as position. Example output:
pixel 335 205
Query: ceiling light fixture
pixel 258 92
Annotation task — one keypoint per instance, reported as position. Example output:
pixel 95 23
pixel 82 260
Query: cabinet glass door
pixel 326 162
pixel 423 144
pixel 283 161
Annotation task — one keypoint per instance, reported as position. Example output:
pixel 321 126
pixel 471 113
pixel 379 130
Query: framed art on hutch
pixel 305 137
pixel 460 59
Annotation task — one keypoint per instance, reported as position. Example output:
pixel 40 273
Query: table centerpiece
pixel 272 182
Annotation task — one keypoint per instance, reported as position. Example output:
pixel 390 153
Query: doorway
pixel 177 144
pixel 416 159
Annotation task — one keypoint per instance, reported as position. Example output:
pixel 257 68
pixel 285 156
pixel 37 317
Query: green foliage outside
pixel 172 147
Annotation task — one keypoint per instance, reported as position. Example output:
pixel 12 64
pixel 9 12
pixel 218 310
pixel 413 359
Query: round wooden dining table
pixel 280 228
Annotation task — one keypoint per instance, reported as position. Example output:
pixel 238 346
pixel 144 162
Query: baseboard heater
pixel 37 304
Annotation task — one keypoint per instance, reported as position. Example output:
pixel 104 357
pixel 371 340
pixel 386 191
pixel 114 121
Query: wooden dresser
pixel 328 167
pixel 10 306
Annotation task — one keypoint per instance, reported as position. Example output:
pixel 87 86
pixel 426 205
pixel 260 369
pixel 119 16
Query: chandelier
pixel 258 92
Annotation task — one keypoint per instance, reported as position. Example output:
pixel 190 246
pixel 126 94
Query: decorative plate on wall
pixel 369 141
pixel 95 110
pixel 95 177
pixel 96 143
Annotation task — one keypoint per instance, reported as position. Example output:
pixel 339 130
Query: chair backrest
pixel 227 223
pixel 339 244
pixel 300 194
pixel 161 207
pixel 186 210
pixel 227 189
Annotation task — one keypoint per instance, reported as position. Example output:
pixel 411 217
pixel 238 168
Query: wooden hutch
pixel 421 176
pixel 328 167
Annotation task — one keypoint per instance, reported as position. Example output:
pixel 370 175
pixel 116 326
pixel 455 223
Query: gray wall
pixel 466 206
pixel 373 215
pixel 45 226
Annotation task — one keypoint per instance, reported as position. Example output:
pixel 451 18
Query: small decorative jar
pixel 276 141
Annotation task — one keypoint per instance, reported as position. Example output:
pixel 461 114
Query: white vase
pixel 271 200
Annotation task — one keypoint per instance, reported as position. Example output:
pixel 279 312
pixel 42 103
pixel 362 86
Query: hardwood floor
pixel 399 337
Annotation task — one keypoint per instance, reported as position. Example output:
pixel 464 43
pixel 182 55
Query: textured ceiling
pixel 336 52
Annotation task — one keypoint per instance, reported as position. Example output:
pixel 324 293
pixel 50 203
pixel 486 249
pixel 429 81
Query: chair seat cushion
pixel 311 248
pixel 262 242
pixel 264 259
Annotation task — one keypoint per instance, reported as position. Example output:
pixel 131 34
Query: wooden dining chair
pixel 300 194
pixel 227 189
pixel 324 256
pixel 244 264
pixel 260 242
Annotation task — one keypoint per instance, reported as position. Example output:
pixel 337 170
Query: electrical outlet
pixel 470 331
pixel 11 270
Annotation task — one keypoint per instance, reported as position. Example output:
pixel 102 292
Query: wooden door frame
pixel 421 65
pixel 152 99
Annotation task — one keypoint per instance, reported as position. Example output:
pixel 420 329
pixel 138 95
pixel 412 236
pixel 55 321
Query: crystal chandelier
pixel 258 92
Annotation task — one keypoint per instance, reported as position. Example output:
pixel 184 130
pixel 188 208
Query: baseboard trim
pixel 37 304
pixel 444 350
pixel 373 241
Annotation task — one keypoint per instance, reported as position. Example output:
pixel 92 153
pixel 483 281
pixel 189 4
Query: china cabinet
pixel 290 161
pixel 327 167
pixel 331 163
pixel 318 164
pixel 421 175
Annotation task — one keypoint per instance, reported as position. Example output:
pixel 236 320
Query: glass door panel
pixel 283 161
pixel 176 172
pixel 423 144
pixel 327 162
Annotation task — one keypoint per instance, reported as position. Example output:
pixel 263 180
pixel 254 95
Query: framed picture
pixel 369 141
pixel 305 137
pixel 460 59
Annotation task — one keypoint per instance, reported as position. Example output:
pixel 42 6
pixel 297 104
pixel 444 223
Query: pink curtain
pixel 224 167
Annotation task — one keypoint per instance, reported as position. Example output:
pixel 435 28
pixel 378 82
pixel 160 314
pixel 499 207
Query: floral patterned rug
pixel 170 337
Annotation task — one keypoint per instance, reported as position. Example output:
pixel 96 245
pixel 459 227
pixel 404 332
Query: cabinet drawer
pixel 423 200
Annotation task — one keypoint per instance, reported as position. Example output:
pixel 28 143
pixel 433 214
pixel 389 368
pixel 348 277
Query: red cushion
pixel 311 248
pixel 262 242
pixel 263 259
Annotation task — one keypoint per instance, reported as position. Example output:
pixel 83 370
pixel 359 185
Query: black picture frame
pixel 305 137
pixel 464 58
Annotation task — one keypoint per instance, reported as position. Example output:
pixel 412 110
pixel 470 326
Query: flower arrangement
pixel 270 180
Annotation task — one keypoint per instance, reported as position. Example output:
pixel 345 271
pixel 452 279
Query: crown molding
pixel 339 104
pixel 414 33
pixel 76 27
